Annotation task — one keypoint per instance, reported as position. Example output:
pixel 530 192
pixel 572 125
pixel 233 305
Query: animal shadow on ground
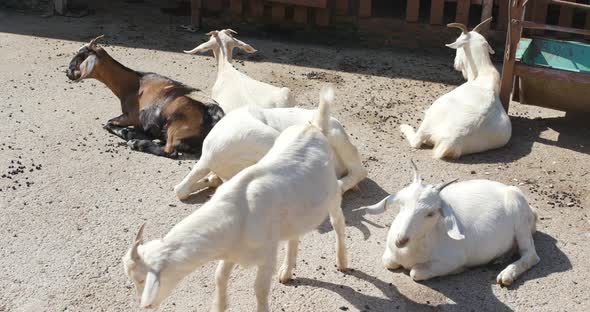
pixel 200 197
pixel 472 289
pixel 370 193
pixel 394 301
pixel 526 131
pixel 468 291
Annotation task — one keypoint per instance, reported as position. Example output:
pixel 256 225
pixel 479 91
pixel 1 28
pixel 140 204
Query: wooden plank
pixel 507 82
pixel 235 7
pixel 412 10
pixel 571 4
pixel 196 13
pixel 341 7
pixel 539 14
pixel 437 10
pixel 551 74
pixel 278 12
pixel 533 25
pixel 322 17
pixel 60 6
pixel 566 17
pixel 486 12
pixel 365 8
pixel 502 15
pixel 300 15
pixel 256 8
pixel 462 15
pixel 214 5
pixel 322 4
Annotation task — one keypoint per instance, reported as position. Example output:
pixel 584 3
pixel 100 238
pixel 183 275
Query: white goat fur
pixel 233 89
pixel 443 230
pixel 470 118
pixel 245 135
pixel 288 193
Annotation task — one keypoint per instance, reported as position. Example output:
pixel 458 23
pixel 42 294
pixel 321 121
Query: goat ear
pixel 150 290
pixel 459 43
pixel 490 50
pixel 381 206
pixel 452 224
pixel 244 46
pixel 87 66
pixel 203 47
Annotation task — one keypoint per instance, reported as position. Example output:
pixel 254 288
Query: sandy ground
pixel 72 195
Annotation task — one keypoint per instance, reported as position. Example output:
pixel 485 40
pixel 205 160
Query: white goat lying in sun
pixel 245 135
pixel 288 193
pixel 233 89
pixel 469 119
pixel 446 228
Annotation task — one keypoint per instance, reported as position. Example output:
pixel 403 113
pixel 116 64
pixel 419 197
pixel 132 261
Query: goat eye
pixel 430 214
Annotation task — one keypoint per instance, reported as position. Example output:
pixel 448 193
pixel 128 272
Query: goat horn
pixel 93 41
pixel 416 175
pixel 441 186
pixel 232 31
pixel 137 242
pixel 480 25
pixel 139 236
pixel 458 25
pixel 212 33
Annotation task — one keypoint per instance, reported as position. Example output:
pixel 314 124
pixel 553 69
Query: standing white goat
pixel 469 119
pixel 233 89
pixel 446 228
pixel 245 135
pixel 288 193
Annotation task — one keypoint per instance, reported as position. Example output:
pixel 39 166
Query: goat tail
pixel 322 116
pixel 516 201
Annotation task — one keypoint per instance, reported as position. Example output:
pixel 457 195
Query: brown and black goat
pixel 156 107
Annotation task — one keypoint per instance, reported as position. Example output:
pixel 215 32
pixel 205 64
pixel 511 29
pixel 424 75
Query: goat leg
pixel 151 147
pixel 126 133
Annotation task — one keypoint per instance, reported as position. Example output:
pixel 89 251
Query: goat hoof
pixel 506 277
pixel 133 144
pixel 284 275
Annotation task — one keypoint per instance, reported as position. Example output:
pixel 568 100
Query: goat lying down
pixel 288 193
pixel 246 134
pixel 233 89
pixel 446 228
pixel 470 118
pixel 155 106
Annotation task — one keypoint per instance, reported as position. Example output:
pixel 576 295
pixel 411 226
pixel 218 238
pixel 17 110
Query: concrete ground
pixel 72 196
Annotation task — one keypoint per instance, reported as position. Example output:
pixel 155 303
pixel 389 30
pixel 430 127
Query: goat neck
pixel 477 60
pixel 221 54
pixel 121 80
pixel 202 237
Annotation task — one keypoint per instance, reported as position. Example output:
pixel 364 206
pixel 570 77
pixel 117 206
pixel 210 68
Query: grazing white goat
pixel 469 119
pixel 446 228
pixel 288 193
pixel 245 135
pixel 233 89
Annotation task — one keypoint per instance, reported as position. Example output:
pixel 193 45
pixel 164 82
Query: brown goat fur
pixel 155 106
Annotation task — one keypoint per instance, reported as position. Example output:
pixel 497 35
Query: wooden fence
pixel 329 12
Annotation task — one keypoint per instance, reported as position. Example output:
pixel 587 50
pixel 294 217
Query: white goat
pixel 233 89
pixel 245 135
pixel 446 228
pixel 288 193
pixel 469 119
